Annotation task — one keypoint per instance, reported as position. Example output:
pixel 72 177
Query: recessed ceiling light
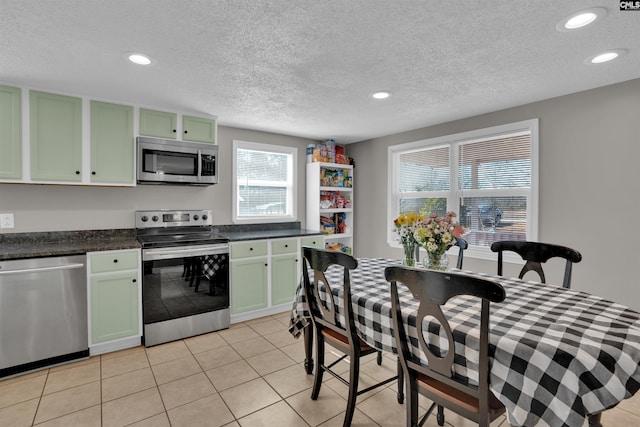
pixel 139 58
pixel 581 19
pixel 381 95
pixel 606 56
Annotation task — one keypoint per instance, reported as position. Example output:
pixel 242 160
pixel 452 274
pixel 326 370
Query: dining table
pixel 557 356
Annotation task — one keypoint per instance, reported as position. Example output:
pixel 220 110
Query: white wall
pixel 62 208
pixel 589 195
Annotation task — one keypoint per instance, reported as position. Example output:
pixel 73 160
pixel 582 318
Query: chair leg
pixel 440 415
pixel 595 420
pixel 317 381
pixel 400 393
pixel 379 358
pixel 412 406
pixel 354 373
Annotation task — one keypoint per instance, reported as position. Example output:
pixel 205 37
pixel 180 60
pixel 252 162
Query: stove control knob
pixel 204 217
pixel 144 218
pixel 155 218
pixel 195 217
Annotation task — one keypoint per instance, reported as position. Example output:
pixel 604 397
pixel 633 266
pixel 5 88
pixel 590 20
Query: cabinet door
pixel 56 137
pixel 114 306
pixel 112 143
pixel 198 129
pixel 10 133
pixel 284 276
pixel 158 123
pixel 314 242
pixel 248 284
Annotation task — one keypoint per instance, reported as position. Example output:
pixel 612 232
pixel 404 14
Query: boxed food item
pixel 339 221
pixel 327 200
pixel 327 226
pixel 341 156
pixel 327 152
pixel 336 246
pixel 331 150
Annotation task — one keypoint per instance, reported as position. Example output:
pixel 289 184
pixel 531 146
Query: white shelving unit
pixel 330 195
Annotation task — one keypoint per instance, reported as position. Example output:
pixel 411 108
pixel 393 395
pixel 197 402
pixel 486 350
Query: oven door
pixel 183 286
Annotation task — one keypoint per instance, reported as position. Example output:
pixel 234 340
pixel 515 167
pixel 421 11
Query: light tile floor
pixel 248 375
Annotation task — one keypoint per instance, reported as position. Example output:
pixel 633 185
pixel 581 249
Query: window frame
pixel 452 195
pixel 292 183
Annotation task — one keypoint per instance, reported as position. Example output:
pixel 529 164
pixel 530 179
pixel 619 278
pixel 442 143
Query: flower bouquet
pixel 404 226
pixel 437 234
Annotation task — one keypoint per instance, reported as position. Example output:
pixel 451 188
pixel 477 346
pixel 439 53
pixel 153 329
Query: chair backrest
pixel 432 289
pixel 322 307
pixel 462 245
pixel 535 254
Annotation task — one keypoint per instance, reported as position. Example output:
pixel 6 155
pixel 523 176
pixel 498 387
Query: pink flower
pixel 457 231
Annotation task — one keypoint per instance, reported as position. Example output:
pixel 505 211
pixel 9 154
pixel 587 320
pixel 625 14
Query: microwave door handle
pixel 199 165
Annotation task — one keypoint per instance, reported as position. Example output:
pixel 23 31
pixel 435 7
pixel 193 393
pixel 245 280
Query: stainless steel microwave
pixel 163 161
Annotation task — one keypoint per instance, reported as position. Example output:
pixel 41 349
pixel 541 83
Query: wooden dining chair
pixel 328 329
pixel 535 254
pixel 462 246
pixel 437 381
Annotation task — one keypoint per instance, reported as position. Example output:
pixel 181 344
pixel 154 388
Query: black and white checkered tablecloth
pixel 557 355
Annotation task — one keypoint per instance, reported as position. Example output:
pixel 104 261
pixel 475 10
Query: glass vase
pixel 438 262
pixel 409 255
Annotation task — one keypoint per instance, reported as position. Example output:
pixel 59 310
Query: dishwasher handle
pixel 41 269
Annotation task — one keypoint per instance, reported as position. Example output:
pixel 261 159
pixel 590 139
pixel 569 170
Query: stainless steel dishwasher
pixel 43 312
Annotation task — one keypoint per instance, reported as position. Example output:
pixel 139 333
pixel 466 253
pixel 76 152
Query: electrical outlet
pixel 6 220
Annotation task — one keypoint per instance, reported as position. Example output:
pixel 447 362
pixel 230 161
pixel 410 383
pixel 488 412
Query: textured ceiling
pixel 307 67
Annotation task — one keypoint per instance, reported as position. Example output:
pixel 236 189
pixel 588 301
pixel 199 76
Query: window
pixel 264 182
pixel 487 177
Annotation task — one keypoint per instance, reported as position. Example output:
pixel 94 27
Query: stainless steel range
pixel 185 278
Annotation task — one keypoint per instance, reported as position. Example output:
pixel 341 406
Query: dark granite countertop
pixel 62 243
pixel 268 234
pixel 236 233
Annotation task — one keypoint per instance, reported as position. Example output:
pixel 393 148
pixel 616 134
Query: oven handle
pixel 181 252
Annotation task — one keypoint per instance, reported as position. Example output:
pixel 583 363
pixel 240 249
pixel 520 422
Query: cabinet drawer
pixel 284 246
pixel 314 242
pixel 249 249
pixel 117 261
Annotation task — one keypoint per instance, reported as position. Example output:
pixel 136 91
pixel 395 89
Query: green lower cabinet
pixel 248 284
pixel 114 295
pixel 114 306
pixel 284 278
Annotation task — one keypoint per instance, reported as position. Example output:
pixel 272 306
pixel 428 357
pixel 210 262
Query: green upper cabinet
pixel 56 137
pixel 158 123
pixel 198 129
pixel 112 143
pixel 10 133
